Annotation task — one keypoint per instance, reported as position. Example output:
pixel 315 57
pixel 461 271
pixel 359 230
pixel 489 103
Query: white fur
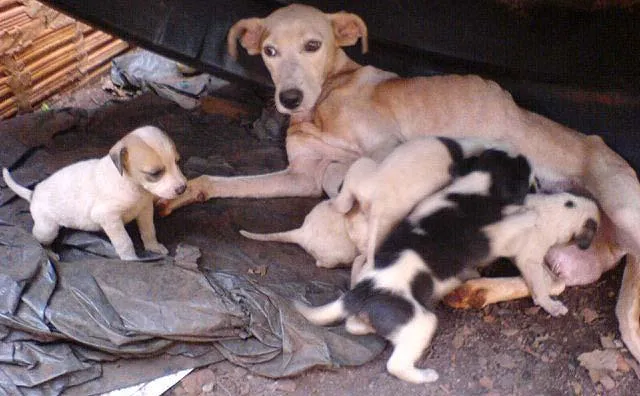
pixel 527 234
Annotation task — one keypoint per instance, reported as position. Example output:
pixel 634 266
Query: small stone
pixel 589 315
pixel 193 382
pixel 208 387
pixel 486 382
pixel 284 385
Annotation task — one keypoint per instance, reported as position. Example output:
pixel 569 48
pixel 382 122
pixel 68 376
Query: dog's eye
pixel 569 204
pixel 312 45
pixel 269 51
pixel 154 174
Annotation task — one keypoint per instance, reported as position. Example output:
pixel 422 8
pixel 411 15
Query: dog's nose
pixel 181 189
pixel 291 98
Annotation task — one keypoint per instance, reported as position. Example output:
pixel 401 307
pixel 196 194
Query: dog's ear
pixel 118 155
pixel 348 28
pixel 249 31
pixel 584 238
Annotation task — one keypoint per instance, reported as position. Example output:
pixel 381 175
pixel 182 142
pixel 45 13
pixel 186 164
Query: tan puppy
pixel 341 111
pixel 106 193
pixel 332 238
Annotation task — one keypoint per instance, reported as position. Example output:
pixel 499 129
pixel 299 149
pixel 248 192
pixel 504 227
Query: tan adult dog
pixel 106 193
pixel 341 110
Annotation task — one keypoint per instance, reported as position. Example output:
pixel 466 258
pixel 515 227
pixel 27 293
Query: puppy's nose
pixel 291 98
pixel 181 189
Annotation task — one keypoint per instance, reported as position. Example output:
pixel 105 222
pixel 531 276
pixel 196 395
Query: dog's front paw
pixel 466 296
pixel 157 247
pixel 553 307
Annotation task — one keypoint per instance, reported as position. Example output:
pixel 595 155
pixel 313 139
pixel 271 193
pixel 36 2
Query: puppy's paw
pixel 128 257
pixel 157 247
pixel 466 296
pixel 415 375
pixel 357 326
pixel 553 307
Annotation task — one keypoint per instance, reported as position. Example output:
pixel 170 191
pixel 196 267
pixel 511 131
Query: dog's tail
pixel 21 191
pixel 323 315
pixel 291 236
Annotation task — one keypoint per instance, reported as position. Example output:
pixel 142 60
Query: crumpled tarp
pixel 78 320
pixel 145 70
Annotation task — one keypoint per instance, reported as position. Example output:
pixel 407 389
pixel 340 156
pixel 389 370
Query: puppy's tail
pixel 292 236
pixel 21 191
pixel 323 315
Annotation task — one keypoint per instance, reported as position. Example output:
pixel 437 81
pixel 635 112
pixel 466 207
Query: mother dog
pixel 341 110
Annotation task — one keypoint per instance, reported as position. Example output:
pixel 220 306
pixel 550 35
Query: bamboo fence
pixel 44 52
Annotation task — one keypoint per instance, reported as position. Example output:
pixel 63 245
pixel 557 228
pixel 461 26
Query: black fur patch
pixel 383 310
pixel 422 289
pixel 448 240
pixel 451 239
pixel 455 152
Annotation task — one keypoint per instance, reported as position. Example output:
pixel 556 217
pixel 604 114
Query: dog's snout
pixel 291 98
pixel 588 233
pixel 181 189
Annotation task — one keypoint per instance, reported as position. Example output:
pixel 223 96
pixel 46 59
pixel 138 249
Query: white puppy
pixel 388 191
pixel 529 232
pixel 107 193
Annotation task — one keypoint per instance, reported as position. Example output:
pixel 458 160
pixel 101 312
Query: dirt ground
pixel 506 349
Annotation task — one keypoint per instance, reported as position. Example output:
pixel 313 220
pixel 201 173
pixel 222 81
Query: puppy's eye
pixel 312 45
pixel 154 174
pixel 569 204
pixel 269 51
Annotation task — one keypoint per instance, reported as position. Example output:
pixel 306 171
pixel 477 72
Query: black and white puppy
pixel 425 257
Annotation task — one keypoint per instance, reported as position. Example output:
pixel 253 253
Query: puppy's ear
pixel 348 28
pixel 249 31
pixel 584 238
pixel 118 155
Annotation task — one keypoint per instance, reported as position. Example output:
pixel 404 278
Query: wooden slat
pixel 38 60
pixel 47 43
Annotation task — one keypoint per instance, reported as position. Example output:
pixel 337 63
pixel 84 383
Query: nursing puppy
pixel 332 238
pixel 528 233
pixel 106 193
pixel 427 256
pixel 413 170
